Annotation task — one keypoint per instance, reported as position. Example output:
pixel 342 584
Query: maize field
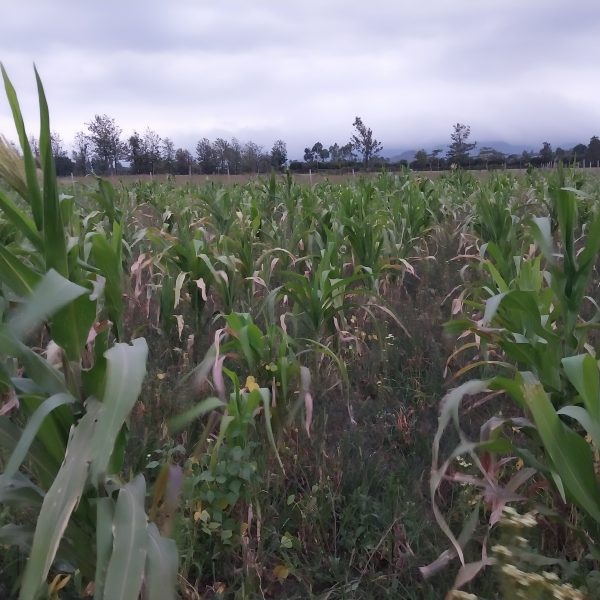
pixel 381 388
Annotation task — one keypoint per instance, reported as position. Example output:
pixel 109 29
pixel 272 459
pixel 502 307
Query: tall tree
pixel 546 153
pixel 183 161
pixel 234 156
pixel 459 149
pixel 278 154
pixel 420 160
pixel 168 155
pixel 105 136
pixel 252 157
pixel 364 142
pixel 81 153
pixel 135 153
pixel 309 155
pixel 152 143
pixel 221 148
pixel 347 153
pixel 62 163
pixel 205 156
pixel 593 150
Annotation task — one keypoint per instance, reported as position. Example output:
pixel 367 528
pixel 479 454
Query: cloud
pixel 520 72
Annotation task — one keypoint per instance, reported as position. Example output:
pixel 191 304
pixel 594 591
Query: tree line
pixel 102 149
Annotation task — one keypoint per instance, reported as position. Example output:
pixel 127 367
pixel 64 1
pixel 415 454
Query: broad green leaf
pixel 20 278
pixel 70 326
pixel 38 369
pixel 51 294
pixel 104 543
pixel 55 240
pixel 20 221
pixel 161 566
pixel 582 371
pixel 583 417
pixel 570 454
pixel 60 502
pixel 205 406
pixel 30 432
pixel 34 196
pixel 109 263
pixel 126 369
pixel 41 463
pixel 126 565
pixel 21 492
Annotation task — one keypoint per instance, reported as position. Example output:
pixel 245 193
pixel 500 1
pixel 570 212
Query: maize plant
pixel 64 437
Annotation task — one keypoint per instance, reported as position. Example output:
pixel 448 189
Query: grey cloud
pixel 302 71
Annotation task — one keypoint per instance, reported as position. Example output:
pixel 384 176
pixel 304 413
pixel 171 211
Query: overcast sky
pixel 520 71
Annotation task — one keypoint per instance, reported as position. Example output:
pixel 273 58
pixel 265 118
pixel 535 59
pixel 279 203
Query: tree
pixel 278 154
pixel 135 153
pixel 320 153
pixel 420 161
pixel 62 163
pixel 546 153
pixel 435 155
pixel 593 150
pixel 579 151
pixel 221 146
pixel 168 155
pixel 309 155
pixel 105 137
pixel 490 156
pixel 152 143
pixel 335 154
pixel 459 149
pixel 363 141
pixel 183 161
pixel 205 156
pixel 234 156
pixel 252 157
pixel 81 153
pixel 347 152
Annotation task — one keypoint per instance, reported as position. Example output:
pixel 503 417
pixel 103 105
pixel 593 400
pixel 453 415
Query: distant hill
pixel 408 154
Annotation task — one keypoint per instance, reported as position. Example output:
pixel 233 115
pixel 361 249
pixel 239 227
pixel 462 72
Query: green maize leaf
pixel 265 397
pixel 226 421
pixel 583 417
pixel 126 565
pixel 161 566
pixel 205 406
pixel 16 535
pixel 30 432
pixel 20 278
pixel 55 242
pixel 94 379
pixel 20 221
pixel 70 326
pixel 108 261
pixel 34 197
pixel 60 502
pixel 48 378
pixel 51 294
pixel 21 492
pixel 53 432
pixel 126 370
pixel 582 372
pixel 566 207
pixel 570 454
pixel 40 462
pixel 104 543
